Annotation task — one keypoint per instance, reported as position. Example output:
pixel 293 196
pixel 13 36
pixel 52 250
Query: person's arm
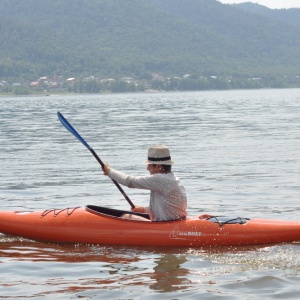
pixel 141 209
pixel 118 176
pixel 121 178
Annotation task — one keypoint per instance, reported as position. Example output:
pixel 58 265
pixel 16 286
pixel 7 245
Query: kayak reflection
pixel 169 275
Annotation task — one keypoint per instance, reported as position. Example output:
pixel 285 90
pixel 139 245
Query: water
pixel 236 152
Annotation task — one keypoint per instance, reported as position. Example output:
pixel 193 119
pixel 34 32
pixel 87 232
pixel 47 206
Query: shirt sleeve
pixel 148 182
pixel 120 177
pixel 124 179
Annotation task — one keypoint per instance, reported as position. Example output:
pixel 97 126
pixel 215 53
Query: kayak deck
pixel 100 225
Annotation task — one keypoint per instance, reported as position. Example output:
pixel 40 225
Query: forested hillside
pixel 288 16
pixel 114 38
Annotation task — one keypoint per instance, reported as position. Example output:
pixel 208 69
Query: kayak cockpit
pixel 221 220
pixel 112 212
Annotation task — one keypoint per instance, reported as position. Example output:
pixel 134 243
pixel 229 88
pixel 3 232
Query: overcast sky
pixel 269 3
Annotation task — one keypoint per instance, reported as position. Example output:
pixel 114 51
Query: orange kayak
pixel 100 225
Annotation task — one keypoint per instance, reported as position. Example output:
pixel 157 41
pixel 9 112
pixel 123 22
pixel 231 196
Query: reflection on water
pixel 169 275
pixel 80 269
pixel 113 267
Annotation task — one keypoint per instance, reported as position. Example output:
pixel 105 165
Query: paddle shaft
pixel 68 126
pixel 116 183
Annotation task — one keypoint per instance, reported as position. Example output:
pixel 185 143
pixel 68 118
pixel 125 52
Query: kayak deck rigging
pixel 57 211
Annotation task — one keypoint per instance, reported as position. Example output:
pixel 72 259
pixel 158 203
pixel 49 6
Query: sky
pixel 269 3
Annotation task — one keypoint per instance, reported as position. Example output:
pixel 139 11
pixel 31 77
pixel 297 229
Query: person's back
pixel 167 197
pixel 169 202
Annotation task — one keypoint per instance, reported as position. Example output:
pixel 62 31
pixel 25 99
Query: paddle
pixel 76 134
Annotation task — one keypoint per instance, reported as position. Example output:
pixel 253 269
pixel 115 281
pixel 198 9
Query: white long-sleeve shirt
pixel 168 199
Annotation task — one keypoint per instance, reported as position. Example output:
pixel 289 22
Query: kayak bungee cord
pixel 57 211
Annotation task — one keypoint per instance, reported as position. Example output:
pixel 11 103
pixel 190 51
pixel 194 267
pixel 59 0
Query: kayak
pixel 104 226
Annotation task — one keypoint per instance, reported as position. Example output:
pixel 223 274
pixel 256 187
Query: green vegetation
pixel 190 83
pixel 220 46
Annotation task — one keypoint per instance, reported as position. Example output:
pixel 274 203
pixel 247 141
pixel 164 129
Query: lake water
pixel 236 152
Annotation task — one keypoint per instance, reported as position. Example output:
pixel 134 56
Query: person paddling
pixel 168 200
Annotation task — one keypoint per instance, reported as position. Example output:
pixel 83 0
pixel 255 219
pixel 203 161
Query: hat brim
pixel 166 162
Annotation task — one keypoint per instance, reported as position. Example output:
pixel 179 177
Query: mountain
pixel 289 16
pixel 137 37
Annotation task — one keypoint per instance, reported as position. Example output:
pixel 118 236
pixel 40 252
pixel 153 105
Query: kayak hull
pixel 90 225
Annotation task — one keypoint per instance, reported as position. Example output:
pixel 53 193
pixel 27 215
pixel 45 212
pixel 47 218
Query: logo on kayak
pixel 176 233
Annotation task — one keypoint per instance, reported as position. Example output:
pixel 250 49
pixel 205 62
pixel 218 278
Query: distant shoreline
pixel 11 95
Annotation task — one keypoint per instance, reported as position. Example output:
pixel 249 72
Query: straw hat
pixel 159 155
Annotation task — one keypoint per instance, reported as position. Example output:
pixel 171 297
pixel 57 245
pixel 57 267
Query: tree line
pixel 173 84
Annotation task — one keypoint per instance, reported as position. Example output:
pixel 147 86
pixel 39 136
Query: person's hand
pixel 106 168
pixel 138 209
pixel 205 216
